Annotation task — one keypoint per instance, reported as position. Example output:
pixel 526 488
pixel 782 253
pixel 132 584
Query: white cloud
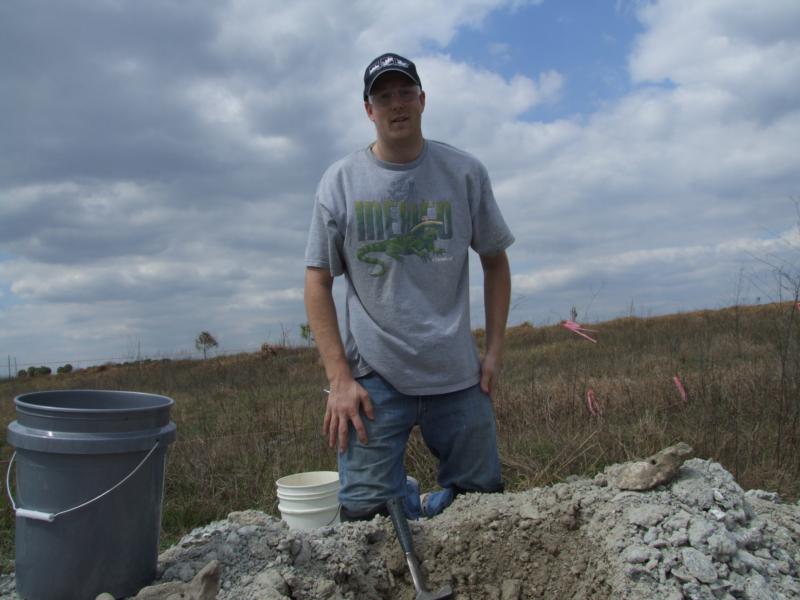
pixel 469 107
pixel 158 176
pixel 422 22
pixel 750 51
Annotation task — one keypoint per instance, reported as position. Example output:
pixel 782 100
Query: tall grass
pixel 244 421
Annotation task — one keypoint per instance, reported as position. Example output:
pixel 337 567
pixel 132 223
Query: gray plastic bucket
pixel 89 486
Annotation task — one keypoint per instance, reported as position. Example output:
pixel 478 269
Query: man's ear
pixel 368 108
pixel 422 100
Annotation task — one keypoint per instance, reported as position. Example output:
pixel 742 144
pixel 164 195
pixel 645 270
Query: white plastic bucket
pixel 309 500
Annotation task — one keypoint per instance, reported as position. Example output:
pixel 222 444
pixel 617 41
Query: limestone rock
pixel 657 470
pixel 272 579
pixel 648 515
pixel 700 531
pixel 722 544
pixel 636 553
pixel 204 586
pixel 511 590
pixel 699 565
pixel 763 495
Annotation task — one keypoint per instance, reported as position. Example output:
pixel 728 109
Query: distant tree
pixel 22 373
pixel 306 334
pixel 204 342
pixel 67 368
pixel 34 371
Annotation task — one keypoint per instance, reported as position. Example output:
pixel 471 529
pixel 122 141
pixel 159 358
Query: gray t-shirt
pixel 400 234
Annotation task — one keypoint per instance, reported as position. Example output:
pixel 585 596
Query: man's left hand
pixel 490 373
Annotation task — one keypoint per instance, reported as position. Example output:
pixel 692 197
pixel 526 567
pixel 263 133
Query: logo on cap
pixel 387 61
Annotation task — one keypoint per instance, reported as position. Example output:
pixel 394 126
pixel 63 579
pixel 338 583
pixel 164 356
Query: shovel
pixel 400 523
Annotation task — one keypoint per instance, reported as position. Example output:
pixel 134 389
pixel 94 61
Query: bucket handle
pixel 338 512
pixel 38 515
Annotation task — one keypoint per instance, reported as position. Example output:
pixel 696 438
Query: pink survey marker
pixel 579 329
pixel 592 404
pixel 681 389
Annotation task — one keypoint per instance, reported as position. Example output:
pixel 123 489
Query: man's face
pixel 395 105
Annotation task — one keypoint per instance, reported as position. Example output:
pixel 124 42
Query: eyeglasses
pixel 404 94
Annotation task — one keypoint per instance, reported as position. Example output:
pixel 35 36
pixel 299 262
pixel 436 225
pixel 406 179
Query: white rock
pixel 756 588
pixel 271 579
pixel 679 520
pixel 721 544
pixel 749 561
pixel 763 495
pixel 699 531
pixel 232 538
pixel 718 514
pixel 511 590
pixel 648 515
pixel 637 553
pixel 699 565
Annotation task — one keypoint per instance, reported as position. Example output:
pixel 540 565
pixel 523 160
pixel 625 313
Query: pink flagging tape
pixel 592 404
pixel 681 389
pixel 579 329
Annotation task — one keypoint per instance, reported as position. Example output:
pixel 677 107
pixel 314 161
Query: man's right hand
pixel 345 401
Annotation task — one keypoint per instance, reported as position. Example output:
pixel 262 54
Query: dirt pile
pixel 699 537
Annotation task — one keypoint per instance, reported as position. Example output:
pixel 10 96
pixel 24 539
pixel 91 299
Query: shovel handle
pixel 398 516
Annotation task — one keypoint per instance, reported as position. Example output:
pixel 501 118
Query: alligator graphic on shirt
pixel 420 240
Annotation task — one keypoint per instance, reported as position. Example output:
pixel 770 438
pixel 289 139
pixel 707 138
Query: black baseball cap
pixel 389 62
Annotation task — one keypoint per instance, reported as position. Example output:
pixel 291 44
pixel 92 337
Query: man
pixel 397 219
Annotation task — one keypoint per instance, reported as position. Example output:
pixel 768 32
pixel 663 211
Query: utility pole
pixel 9 366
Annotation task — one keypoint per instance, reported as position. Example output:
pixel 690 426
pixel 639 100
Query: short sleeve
pixel 324 248
pixel 490 234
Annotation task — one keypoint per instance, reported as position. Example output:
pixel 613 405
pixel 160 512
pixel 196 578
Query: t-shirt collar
pixel 398 166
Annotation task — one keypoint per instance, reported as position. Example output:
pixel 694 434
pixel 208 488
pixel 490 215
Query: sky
pixel 159 158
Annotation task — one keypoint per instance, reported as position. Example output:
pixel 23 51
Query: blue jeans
pixel 458 428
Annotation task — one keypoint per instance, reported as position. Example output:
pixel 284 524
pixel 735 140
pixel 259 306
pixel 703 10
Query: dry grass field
pixel 246 420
